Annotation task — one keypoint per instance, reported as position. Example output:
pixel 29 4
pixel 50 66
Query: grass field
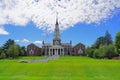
pixel 65 68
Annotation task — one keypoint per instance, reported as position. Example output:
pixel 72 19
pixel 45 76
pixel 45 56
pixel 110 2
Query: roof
pixel 79 44
pixel 31 44
pixel 56 46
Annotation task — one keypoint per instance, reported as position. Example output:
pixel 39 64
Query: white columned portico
pixel 60 51
pixel 49 52
pixel 63 52
pixel 57 51
pixel 52 52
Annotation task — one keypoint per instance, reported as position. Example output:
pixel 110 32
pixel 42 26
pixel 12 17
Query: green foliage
pixel 13 51
pixel 2 55
pixel 117 43
pixel 99 41
pixel 8 44
pixel 99 53
pixel 22 51
pixel 108 38
pixel 106 51
pixel 102 48
pixel 110 51
pixel 103 40
pixel 1 49
pixel 90 51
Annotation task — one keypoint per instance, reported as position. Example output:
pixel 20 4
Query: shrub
pixel 106 51
pixel 2 56
pixel 90 51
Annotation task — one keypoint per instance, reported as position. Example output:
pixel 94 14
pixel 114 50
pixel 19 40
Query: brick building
pixel 33 50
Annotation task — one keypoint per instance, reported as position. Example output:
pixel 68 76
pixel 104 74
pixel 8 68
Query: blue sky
pixel 79 23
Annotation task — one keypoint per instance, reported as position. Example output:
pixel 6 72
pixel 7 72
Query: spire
pixel 56 32
pixel 56 19
pixel 56 38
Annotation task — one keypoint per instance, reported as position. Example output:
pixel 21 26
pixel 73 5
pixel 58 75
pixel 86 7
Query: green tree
pixel 2 55
pixel 13 51
pixel 22 51
pixel 99 41
pixel 100 53
pixel 105 51
pixel 1 49
pixel 108 38
pixel 7 45
pixel 103 40
pixel 90 51
pixel 110 51
pixel 117 43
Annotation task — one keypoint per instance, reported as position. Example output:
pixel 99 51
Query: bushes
pixel 90 51
pixel 104 51
pixel 110 51
pixel 99 53
pixel 2 55
pixel 13 51
pixel 117 43
pixel 104 47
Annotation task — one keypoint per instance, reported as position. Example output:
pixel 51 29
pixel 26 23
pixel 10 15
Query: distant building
pixel 57 47
pixel 33 50
pixel 79 50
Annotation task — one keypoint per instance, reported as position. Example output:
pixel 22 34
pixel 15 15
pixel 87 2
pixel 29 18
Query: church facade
pixel 59 48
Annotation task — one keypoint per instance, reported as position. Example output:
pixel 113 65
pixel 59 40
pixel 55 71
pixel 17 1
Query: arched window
pixel 80 51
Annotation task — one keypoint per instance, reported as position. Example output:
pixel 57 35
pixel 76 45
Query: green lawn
pixel 65 68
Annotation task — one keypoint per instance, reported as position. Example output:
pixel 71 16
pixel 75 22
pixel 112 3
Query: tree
pixel 117 43
pixel 99 41
pixel 110 51
pixel 1 49
pixel 100 53
pixel 7 45
pixel 108 38
pixel 2 55
pixel 103 40
pixel 105 51
pixel 22 51
pixel 13 51
pixel 90 51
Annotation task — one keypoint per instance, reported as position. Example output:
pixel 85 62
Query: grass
pixel 65 68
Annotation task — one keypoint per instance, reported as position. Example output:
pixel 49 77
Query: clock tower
pixel 56 39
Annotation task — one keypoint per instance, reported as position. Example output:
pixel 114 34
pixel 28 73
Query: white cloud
pixel 3 32
pixel 17 40
pixel 25 40
pixel 38 42
pixel 43 12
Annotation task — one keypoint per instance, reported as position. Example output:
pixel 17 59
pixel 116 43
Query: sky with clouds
pixel 28 21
